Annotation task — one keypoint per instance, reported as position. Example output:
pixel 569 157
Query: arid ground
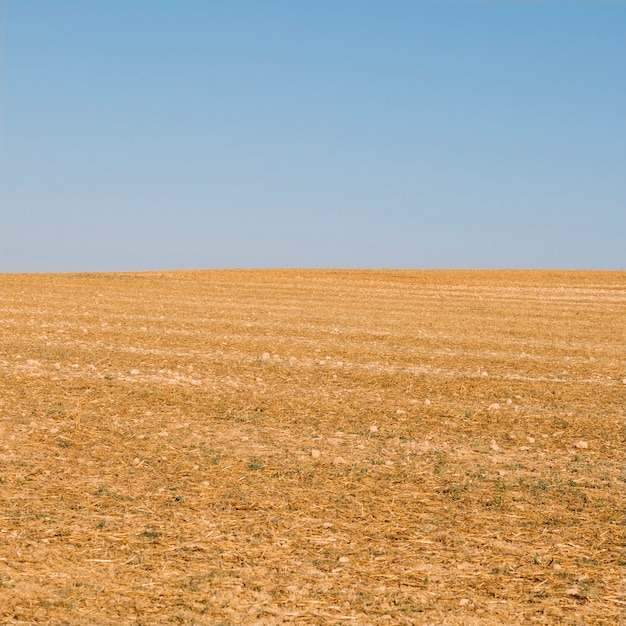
pixel 312 447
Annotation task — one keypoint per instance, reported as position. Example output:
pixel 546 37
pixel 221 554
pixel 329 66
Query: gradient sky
pixel 173 134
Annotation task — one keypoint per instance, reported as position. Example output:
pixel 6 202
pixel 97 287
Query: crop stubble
pixel 312 447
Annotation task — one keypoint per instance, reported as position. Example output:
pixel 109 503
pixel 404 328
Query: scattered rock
pixel 530 439
pixel 494 407
pixel 373 429
pixel 400 412
pixel 339 460
pixel 582 444
pixel 266 356
pixel 572 591
pixel 134 372
pixel 494 446
pixel 315 453
pixel 464 602
pixel 427 402
pixel 344 559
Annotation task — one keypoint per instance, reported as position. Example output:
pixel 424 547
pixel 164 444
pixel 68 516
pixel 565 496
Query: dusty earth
pixel 312 447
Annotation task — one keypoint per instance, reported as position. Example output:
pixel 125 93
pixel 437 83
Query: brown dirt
pixel 312 447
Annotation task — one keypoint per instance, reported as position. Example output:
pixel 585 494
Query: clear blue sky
pixel 171 134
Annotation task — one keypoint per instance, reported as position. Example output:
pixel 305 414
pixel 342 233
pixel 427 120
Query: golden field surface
pixel 312 447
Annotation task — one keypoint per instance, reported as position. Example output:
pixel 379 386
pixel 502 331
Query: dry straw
pixel 312 447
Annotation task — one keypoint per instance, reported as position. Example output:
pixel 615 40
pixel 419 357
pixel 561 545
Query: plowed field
pixel 312 447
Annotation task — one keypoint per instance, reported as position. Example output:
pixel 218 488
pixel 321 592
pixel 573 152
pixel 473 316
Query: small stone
pixel 572 591
pixel 530 439
pixel 463 602
pixel 266 356
pixel 509 401
pixel 315 453
pixel 339 460
pixel 485 374
pixel 134 372
pixel 427 402
pixel 344 559
pixel 400 412
pixel 582 444
pixel 494 407
pixel 494 446
pixel 373 429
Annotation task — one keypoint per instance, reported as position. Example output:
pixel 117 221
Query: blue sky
pixel 153 134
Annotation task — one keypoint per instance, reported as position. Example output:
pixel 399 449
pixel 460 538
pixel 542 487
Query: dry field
pixel 312 447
